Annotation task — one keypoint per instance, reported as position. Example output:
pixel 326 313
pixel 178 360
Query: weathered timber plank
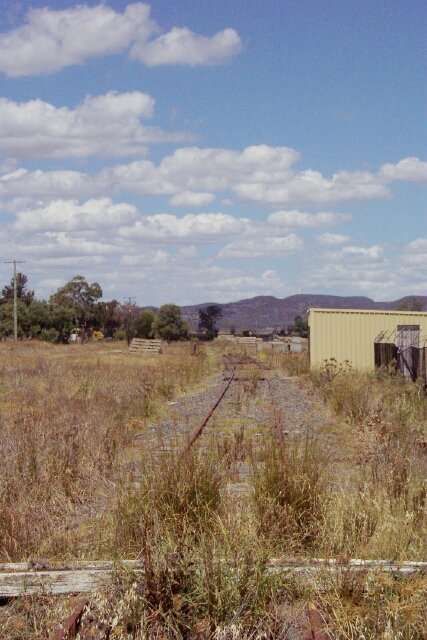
pixel 95 565
pixel 21 579
pixel 52 582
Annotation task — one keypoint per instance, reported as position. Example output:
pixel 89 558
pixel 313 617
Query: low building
pixel 351 335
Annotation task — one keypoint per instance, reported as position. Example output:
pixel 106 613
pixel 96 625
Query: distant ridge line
pixel 266 312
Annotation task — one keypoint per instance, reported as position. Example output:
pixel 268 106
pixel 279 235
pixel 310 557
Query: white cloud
pixel 415 256
pixel 106 125
pixel 189 252
pixel 204 169
pixel 351 270
pixel 258 247
pixel 182 46
pixel 359 254
pixel 67 215
pixel 408 169
pixel 381 272
pixel 203 227
pixel 191 175
pixel 53 39
pixel 152 257
pixel 418 245
pixel 332 238
pixel 310 187
pixel 225 287
pixel 259 174
pixel 191 199
pixel 49 184
pixel 295 218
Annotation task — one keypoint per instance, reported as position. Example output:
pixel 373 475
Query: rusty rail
pixel 277 421
pixel 71 626
pixel 198 430
pixel 278 432
pixel 317 624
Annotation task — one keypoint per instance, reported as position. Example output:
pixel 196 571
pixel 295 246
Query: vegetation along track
pixel 231 420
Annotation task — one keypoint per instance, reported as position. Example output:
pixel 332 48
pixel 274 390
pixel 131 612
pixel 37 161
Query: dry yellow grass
pixel 67 413
pixel 67 429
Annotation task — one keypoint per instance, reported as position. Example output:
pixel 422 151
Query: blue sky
pixel 185 152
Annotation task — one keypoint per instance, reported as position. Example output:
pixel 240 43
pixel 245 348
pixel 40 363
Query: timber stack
pixel 141 346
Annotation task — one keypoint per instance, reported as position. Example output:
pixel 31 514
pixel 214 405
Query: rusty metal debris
pixel 317 624
pixel 71 626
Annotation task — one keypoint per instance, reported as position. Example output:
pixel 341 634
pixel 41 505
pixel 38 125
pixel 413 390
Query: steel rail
pixel 71 626
pixel 278 432
pixel 198 430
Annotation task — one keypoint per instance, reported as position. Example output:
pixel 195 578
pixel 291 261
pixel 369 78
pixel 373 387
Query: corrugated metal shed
pixel 350 334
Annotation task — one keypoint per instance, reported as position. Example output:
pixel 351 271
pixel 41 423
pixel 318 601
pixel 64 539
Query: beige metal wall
pixel 350 334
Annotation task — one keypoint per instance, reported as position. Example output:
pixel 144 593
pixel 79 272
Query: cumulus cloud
pixel 68 215
pixel 373 280
pixel 357 254
pixel 408 169
pixel 381 272
pixel 205 169
pixel 418 246
pixel 191 199
pixel 260 174
pixel 258 247
pixel 106 125
pixel 191 176
pixel 182 46
pixel 53 39
pixel 415 254
pixel 332 238
pixel 225 286
pixel 295 218
pixel 310 187
pixel 203 227
pixel 49 184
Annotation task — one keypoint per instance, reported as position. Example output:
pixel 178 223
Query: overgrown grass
pixel 380 510
pixel 67 413
pixel 290 485
pixel 291 364
pixel 375 606
pixel 68 490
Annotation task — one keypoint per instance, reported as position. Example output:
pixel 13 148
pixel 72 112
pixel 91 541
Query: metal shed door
pixel 407 336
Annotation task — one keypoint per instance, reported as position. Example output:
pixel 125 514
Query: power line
pixel 15 297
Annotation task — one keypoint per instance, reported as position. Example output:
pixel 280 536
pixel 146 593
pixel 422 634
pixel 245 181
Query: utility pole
pixel 15 297
pixel 129 302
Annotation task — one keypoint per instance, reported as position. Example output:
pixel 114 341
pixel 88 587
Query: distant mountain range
pixel 264 312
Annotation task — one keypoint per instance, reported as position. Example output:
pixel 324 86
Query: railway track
pixel 244 408
pixel 237 425
pixel 234 416
pixel 247 382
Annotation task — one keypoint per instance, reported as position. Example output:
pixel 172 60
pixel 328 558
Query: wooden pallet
pixel 140 345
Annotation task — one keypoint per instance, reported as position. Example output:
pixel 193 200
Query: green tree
pixel 82 298
pixel 107 316
pixel 207 320
pixel 63 320
pixel 143 324
pixel 299 327
pixel 410 303
pixel 22 291
pixel 168 324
